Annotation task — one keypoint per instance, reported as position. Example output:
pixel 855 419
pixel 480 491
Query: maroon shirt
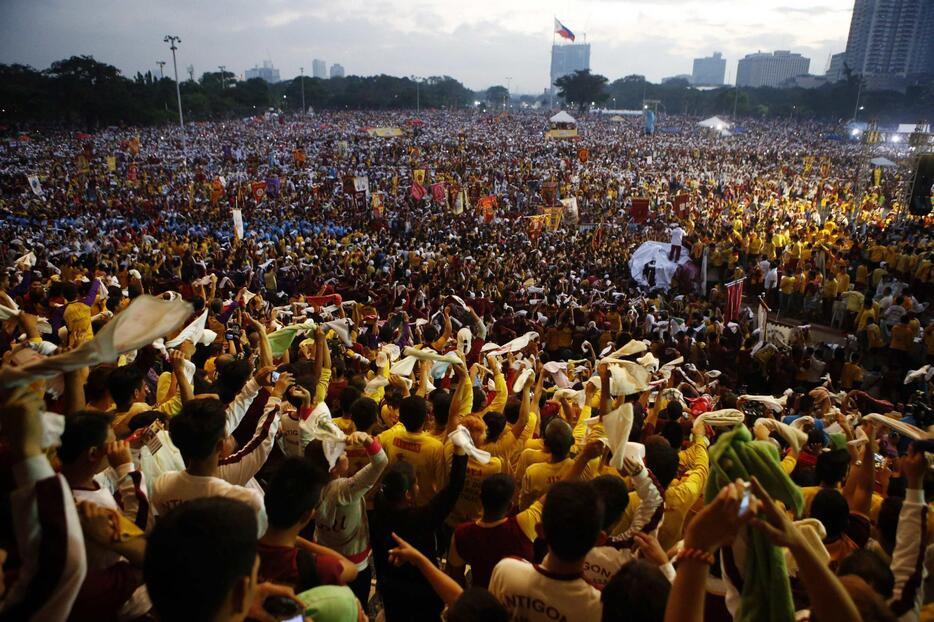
pixel 484 547
pixel 296 567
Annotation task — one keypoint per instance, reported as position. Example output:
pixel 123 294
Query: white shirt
pixel 172 489
pixel 532 594
pixel 676 234
pixel 771 279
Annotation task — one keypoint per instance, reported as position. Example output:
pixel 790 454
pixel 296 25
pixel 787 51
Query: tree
pixel 582 88
pixel 497 95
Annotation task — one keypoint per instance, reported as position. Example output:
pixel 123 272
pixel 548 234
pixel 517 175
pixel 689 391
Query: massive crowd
pixel 283 368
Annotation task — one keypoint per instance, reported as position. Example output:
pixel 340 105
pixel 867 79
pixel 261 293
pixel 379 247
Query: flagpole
pixel 551 92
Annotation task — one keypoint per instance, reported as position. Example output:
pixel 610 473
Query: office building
pixel 569 58
pixel 891 38
pixel 267 72
pixel 764 69
pixel 337 70
pixel 709 71
pixel 835 71
pixel 319 69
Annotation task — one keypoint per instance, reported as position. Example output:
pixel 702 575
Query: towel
pixel 404 367
pixel 195 332
pixel 795 437
pixel 342 329
pixel 766 594
pixel 773 403
pixel 725 418
pixel 461 438
pixel 464 339
pixel 319 425
pixel 145 319
pixel 281 340
pixel 618 425
pixel 905 429
pixel 628 378
pixel 431 355
pixel 520 343
pixel 558 372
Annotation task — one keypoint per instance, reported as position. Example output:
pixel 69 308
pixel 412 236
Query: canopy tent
pixel 906 128
pixel 715 123
pixel 883 162
pixel 562 117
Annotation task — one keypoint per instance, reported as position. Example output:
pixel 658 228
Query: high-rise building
pixel 319 69
pixel 267 72
pixel 835 71
pixel 337 70
pixel 764 69
pixel 569 58
pixel 891 38
pixel 709 71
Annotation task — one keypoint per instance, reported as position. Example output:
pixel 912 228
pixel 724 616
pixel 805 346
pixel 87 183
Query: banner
pixel 361 184
pixel 111 163
pixel 376 204
pixel 417 191
pixel 131 171
pixel 536 223
pixel 570 206
pixel 238 223
pixel 572 133
pixel 384 132
pixel 553 217
pixel 808 164
pixel 487 206
pixel 418 176
pixel 460 202
pixel 134 146
pixel 640 209
pixel 217 191
pixel 438 194
pixel 649 122
pixel 258 190
pixel 762 315
pixel 35 185
pixel 734 299
pixel 876 176
pixel 583 155
pixel 298 157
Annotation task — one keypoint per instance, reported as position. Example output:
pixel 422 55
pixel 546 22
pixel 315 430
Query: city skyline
pixel 474 44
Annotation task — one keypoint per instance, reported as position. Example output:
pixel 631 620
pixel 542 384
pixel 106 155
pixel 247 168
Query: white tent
pixel 562 117
pixel 906 128
pixel 664 268
pixel 883 162
pixel 715 123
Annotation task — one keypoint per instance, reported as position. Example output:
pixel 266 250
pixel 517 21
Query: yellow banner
pixel 384 132
pixel 111 163
pixel 561 133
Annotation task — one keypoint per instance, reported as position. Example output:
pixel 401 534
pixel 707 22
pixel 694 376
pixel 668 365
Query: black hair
pixel 398 480
pixel 832 466
pixel 558 439
pixel 831 509
pixel 673 432
pixel 232 374
pixel 145 419
pixel 197 429
pixel 440 406
pixel 512 409
pixel 496 494
pixel 412 412
pixel 495 424
pixel 294 490
pixel 475 603
pixel 662 460
pixel 572 519
pixel 95 387
pixel 364 413
pixel 348 396
pixel 869 566
pixel 615 496
pixel 479 400
pixel 83 431
pixel 195 556
pixel 122 382
pixel 639 591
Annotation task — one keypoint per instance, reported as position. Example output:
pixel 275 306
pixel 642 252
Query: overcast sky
pixel 479 42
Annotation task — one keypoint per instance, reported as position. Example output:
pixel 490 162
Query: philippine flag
pixel 563 30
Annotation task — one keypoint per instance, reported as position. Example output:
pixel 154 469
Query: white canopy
pixel 884 162
pixel 562 117
pixel 715 123
pixel 906 128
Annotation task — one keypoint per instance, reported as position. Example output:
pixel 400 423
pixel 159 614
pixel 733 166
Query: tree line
pixel 82 92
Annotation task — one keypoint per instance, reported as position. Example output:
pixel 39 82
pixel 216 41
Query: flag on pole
pixel 35 185
pixel 439 194
pixel 258 190
pixel 734 299
pixel 238 223
pixel 763 318
pixel 563 31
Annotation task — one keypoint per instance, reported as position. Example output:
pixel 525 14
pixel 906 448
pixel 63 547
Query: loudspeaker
pixel 922 187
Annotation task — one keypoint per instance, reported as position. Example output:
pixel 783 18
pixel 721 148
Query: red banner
pixel 258 190
pixel 734 300
pixel 640 209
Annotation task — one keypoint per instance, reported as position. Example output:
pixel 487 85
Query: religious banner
pixel 258 190
pixel 418 191
pixel 418 176
pixel 876 176
pixel 571 133
pixel 553 217
pixel 583 155
pixel 570 207
pixel 134 146
pixel 680 204
pixel 238 223
pixel 640 209
pixel 384 132
pixel 487 207
pixel 536 223
pixel 361 184
pixel 438 194
pixel 460 202
pixel 808 164
pixel 298 157
pixel 131 171
pixel 376 204
pixel 34 185
pixel 217 190
pixel 272 186
pixel 734 299
pixel 111 164
pixel 81 163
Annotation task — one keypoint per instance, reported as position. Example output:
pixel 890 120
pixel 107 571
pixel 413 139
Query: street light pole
pixel 859 91
pixel 161 64
pixel 302 71
pixel 223 69
pixel 172 40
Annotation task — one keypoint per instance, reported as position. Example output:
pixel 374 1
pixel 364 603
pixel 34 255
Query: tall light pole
pixel 161 64
pixel 508 91
pixel 301 71
pixel 859 91
pixel 417 81
pixel 223 69
pixel 172 40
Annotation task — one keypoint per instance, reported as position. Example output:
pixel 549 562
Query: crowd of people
pixel 290 368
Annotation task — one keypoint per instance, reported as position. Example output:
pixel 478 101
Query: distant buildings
pixel 681 76
pixel 319 69
pixel 569 58
pixel 891 41
pixel 337 70
pixel 709 71
pixel 764 69
pixel 267 72
pixel 835 71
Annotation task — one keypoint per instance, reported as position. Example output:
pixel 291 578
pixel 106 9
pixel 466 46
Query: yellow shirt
pixel 539 478
pixel 423 452
pixel 787 285
pixel 682 494
pixel 468 506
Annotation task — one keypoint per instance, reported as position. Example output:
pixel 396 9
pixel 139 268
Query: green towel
pixel 766 591
pixel 280 340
